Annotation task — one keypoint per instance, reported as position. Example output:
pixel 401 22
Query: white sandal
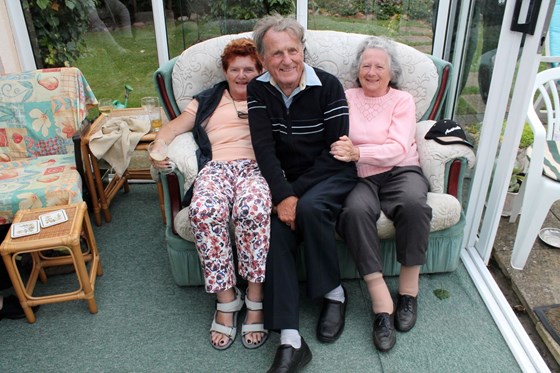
pixel 229 331
pixel 253 328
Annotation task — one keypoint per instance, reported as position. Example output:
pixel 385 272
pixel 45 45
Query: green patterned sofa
pixel 425 77
pixel 40 113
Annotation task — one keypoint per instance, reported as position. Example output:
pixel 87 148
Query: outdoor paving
pixel 538 284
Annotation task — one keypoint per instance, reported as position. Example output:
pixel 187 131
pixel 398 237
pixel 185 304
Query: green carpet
pixel 146 323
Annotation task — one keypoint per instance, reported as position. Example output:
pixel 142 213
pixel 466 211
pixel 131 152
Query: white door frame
pixel 480 232
pixel 21 35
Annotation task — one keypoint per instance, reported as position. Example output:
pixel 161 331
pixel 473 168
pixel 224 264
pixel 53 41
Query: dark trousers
pixel 4 278
pixel 316 214
pixel 401 194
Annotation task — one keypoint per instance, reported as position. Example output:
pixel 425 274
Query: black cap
pixel 447 132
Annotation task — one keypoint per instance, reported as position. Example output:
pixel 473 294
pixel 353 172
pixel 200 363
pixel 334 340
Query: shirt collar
pixel 308 78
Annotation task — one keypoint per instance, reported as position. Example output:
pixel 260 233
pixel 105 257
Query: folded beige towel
pixel 117 139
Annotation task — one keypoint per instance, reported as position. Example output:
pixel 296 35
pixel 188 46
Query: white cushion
pixel 199 66
pixel 182 151
pixel 434 156
pixel 336 52
pixel 446 212
pixel 182 224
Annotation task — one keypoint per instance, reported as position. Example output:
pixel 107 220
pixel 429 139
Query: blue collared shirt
pixel 308 78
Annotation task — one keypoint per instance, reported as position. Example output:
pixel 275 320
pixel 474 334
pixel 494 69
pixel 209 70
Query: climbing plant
pixel 56 28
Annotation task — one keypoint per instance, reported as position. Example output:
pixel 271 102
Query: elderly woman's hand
pixel 344 150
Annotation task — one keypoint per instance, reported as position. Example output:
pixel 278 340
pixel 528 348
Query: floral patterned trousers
pixel 231 192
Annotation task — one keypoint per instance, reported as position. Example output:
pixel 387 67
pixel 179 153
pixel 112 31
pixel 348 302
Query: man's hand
pixel 286 211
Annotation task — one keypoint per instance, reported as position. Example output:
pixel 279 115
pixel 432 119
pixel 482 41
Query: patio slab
pixel 538 284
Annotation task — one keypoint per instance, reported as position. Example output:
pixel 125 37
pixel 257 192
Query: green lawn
pixel 110 62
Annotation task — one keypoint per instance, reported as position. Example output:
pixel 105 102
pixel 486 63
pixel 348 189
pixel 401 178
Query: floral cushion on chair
pixel 40 111
pixel 38 182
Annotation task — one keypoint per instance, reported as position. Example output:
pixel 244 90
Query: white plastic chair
pixel 541 187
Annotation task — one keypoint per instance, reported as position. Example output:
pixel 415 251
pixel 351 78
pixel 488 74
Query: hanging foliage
pixel 58 27
pixel 250 9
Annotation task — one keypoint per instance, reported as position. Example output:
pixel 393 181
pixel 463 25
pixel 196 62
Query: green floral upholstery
pixel 40 111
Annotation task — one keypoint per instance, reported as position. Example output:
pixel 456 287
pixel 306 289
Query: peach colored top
pixel 228 134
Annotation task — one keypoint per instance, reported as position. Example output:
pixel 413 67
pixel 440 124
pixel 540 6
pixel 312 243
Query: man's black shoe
pixel 331 320
pixel 407 307
pixel 289 359
pixel 384 334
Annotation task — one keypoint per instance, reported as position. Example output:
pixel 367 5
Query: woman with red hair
pixel 228 189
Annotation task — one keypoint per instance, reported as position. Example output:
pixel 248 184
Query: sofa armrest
pixel 164 86
pixel 444 69
pixel 443 165
pixel 182 151
pixel 173 195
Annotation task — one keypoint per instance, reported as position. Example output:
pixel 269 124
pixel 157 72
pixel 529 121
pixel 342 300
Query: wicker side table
pixel 66 235
pixel 102 195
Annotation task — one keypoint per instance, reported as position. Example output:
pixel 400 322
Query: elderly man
pixel 295 113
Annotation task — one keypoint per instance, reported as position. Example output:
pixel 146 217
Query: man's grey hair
pixel 277 23
pixel 387 45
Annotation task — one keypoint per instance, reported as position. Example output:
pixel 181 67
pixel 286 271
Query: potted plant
pixel 519 168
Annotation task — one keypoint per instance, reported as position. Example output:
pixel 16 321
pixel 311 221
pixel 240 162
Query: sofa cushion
pixel 38 182
pixel 446 212
pixel 551 165
pixel 333 51
pixel 182 151
pixel 336 53
pixel 434 157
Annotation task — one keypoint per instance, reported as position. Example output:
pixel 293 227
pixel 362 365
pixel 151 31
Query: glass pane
pixel 477 66
pixel 408 21
pixel 197 20
pixel 112 42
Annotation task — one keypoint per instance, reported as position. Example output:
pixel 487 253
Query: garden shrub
pixel 387 9
pixel 420 9
pixel 58 27
pixel 250 9
pixel 342 8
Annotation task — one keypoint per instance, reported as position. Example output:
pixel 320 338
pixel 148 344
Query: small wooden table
pixel 67 235
pixel 101 195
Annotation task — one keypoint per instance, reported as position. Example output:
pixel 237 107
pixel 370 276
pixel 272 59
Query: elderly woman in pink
pixel 381 142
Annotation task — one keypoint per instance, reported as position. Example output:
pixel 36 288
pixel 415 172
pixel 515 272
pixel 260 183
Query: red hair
pixel 240 47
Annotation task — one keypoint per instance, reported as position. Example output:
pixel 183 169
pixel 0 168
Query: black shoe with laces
pixel 384 334
pixel 405 316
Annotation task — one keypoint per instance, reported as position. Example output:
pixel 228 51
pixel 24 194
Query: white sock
pixel 290 337
pixel 336 294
